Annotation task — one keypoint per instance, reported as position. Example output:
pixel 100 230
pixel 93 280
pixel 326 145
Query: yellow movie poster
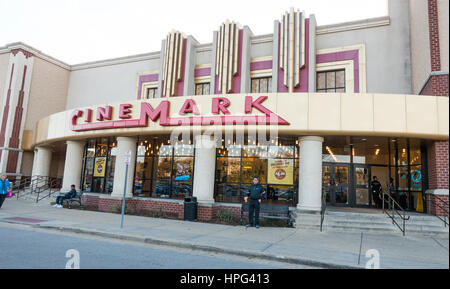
pixel 281 172
pixel 100 167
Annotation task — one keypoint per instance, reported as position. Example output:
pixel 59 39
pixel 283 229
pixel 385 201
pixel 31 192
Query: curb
pixel 185 245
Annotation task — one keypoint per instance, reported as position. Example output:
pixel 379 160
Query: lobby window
pixel 276 166
pixel 261 85
pixel 331 81
pixel 151 92
pixel 163 170
pixel 99 161
pixel 202 88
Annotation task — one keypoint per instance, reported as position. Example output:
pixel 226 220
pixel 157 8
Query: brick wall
pixel 438 165
pixel 437 85
pixel 90 202
pixel 433 28
pixel 435 204
pixel 205 213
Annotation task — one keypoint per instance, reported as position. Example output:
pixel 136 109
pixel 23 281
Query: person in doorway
pixel 392 191
pixel 5 186
pixel 255 193
pixel 376 192
pixel 402 201
pixel 60 199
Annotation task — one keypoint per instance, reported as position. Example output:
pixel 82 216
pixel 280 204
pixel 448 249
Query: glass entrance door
pixel 362 196
pixel 335 184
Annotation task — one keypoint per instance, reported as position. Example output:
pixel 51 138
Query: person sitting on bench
pixel 68 196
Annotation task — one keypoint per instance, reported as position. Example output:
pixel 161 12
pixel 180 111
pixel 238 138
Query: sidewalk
pixel 306 247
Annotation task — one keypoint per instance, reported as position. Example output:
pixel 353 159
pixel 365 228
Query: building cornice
pixel 266 38
pixel 11 47
pixel 116 61
pixel 353 25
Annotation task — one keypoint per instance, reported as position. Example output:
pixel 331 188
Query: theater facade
pixel 310 110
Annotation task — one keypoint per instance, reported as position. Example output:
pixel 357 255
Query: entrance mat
pixel 25 220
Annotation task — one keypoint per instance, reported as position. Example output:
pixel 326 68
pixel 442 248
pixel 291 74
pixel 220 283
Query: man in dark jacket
pixel 255 194
pixel 376 192
pixel 69 195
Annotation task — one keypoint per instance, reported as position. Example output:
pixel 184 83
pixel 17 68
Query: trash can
pixel 190 209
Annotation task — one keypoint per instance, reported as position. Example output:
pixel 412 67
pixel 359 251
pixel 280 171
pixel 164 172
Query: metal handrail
pixel 444 208
pixel 392 204
pixel 26 183
pixel 49 186
pixel 35 184
pixel 322 211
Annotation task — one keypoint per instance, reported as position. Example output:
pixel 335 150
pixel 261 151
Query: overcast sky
pixel 78 31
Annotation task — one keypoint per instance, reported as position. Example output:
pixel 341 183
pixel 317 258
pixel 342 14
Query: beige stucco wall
pixel 4 62
pixel 27 163
pixel 420 44
pixel 443 8
pixel 397 115
pixel 48 91
pixel 57 165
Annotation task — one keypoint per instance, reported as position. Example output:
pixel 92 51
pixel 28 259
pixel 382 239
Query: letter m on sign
pixel 162 112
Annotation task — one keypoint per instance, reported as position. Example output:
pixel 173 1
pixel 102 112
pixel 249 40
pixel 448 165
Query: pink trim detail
pixel 340 56
pixel 202 72
pixel 145 78
pixel 26 53
pixel 261 65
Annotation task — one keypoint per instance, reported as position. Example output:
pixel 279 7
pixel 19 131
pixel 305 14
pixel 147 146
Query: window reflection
pixel 99 165
pixel 237 165
pixel 164 170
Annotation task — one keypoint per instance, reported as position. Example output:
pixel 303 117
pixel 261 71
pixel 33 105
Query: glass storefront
pixel 98 165
pixel 350 163
pixel 166 170
pixel 276 166
pixel 163 170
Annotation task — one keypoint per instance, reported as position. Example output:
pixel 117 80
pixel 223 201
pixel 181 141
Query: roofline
pixel 324 29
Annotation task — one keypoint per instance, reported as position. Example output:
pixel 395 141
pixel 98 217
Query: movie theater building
pixel 308 109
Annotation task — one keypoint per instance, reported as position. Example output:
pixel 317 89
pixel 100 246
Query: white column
pixel 42 161
pixel 124 144
pixel 73 165
pixel 205 163
pixel 310 174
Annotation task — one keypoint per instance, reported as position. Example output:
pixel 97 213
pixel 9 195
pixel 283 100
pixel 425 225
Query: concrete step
pixel 357 222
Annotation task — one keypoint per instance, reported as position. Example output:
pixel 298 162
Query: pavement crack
pixel 276 242
pixel 360 248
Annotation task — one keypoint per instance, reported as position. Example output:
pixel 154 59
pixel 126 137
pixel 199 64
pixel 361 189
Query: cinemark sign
pixel 219 109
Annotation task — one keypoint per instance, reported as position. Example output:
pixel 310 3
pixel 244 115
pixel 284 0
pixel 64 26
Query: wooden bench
pixel 76 199
pixel 271 210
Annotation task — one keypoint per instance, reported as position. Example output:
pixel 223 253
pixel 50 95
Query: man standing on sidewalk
pixel 255 193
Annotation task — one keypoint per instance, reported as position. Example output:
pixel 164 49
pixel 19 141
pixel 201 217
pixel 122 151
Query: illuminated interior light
pixel 331 153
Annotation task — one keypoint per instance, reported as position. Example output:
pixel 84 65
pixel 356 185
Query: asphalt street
pixel 30 248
